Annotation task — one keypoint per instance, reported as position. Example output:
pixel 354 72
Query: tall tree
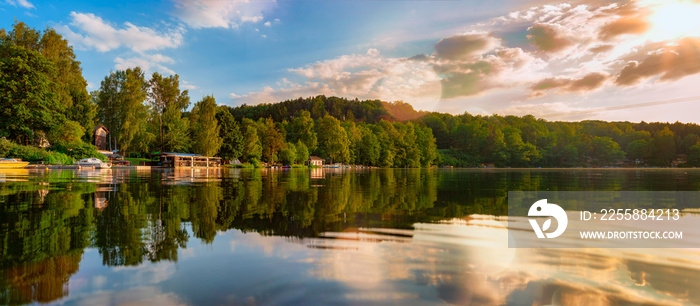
pixel 694 155
pixel 369 149
pixel 67 83
pixel 288 154
pixel 302 129
pixel 332 139
pixel 27 102
pixel 177 137
pixel 232 139
pixel 167 104
pixel 426 143
pixel 665 147
pixel 271 139
pixel 205 127
pixel 120 102
pixel 605 151
pixel 302 152
pixel 70 85
pixel 252 149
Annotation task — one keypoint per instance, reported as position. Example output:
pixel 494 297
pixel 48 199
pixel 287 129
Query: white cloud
pixel 573 52
pixel 23 3
pixel 267 24
pixel 367 76
pixel 149 63
pixel 221 14
pixel 92 32
pixel 187 85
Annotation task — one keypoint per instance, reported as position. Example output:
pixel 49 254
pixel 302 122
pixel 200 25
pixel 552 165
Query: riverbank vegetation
pixel 44 99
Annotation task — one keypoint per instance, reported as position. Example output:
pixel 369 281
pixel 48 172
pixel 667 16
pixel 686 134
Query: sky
pixel 558 60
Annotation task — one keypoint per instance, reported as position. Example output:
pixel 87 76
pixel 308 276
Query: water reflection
pixel 299 236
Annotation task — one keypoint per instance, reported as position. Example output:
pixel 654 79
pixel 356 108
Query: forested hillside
pixel 504 141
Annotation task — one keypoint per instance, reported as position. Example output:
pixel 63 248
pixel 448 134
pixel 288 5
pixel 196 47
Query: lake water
pixel 263 237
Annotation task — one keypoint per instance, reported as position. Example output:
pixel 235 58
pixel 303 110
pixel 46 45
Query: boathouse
pixel 179 160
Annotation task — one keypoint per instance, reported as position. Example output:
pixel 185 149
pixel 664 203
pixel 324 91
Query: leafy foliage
pixel 205 127
pixel 32 154
pixel 232 139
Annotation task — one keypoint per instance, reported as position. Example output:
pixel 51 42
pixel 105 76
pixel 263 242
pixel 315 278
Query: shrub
pixel 79 150
pixel 32 154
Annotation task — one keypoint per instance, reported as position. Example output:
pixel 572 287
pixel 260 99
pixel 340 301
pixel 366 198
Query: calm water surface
pixel 258 237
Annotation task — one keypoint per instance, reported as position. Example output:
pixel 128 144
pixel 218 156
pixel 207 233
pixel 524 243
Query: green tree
pixel 68 132
pixel 271 139
pixel 640 149
pixel 355 137
pixel 604 151
pixel 407 153
pixel 687 142
pixel 332 140
pixel 288 154
pixel 121 109
pixel 369 148
pixel 302 153
pixel 134 135
pixel 70 85
pixel 520 154
pixel 302 129
pixel 439 129
pixel 27 101
pixel 232 139
pixel 252 149
pixel 426 143
pixel 177 137
pixel 665 147
pixel 167 104
pixel 481 141
pixel 694 155
pixel 205 128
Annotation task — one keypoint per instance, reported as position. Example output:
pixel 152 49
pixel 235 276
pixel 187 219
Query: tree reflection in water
pixel 131 218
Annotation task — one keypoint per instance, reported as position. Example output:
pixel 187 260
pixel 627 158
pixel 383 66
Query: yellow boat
pixel 12 163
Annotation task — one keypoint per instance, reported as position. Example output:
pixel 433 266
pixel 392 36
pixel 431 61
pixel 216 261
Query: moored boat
pixel 94 163
pixel 12 163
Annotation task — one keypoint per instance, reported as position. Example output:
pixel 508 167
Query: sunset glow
pixel 674 20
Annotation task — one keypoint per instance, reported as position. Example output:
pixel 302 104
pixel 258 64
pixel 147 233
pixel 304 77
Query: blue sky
pixel 484 57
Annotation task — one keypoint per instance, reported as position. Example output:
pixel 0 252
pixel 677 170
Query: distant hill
pixel 507 141
pixel 369 111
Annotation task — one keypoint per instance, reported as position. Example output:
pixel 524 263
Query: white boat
pixel 93 163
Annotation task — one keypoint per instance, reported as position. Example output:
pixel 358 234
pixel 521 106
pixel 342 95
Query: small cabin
pixel 315 160
pixel 101 137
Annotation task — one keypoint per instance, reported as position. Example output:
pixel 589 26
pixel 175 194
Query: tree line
pixel 43 95
pixel 504 141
